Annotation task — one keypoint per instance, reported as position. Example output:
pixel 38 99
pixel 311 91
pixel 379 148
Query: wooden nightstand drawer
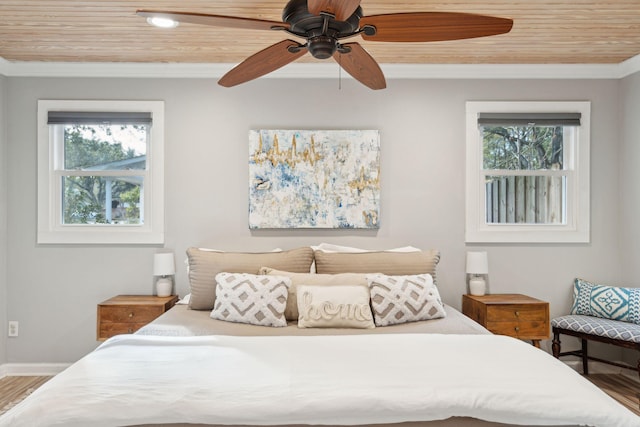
pixel 125 314
pixel 515 315
pixel 524 330
pixel 110 329
pixel 130 314
pixel 516 312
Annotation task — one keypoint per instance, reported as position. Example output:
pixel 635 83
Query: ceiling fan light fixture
pixel 322 47
pixel 159 22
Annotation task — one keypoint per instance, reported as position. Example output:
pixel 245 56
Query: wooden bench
pixel 589 328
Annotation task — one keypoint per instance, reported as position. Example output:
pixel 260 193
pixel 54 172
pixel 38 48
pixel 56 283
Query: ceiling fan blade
pixel 215 20
pixel 341 9
pixel 263 62
pixel 433 26
pixel 361 66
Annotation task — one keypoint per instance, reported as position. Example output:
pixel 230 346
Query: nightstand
pixel 516 315
pixel 125 314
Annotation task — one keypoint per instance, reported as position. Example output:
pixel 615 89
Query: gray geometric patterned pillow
pixel 400 299
pixel 248 298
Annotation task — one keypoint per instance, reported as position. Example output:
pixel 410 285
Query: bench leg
pixel 585 358
pixel 555 347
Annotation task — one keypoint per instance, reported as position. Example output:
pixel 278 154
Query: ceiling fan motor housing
pixel 321 31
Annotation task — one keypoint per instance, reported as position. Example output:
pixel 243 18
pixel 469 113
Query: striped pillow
pixel 385 262
pixel 205 264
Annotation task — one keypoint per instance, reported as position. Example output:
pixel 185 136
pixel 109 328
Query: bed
pixel 187 368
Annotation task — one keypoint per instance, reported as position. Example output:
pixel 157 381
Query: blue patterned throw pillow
pixel 607 302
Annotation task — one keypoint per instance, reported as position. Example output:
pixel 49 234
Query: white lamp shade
pixel 163 264
pixel 477 263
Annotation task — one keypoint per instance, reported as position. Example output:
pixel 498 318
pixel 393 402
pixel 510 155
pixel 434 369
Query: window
pixel 527 172
pixel 100 172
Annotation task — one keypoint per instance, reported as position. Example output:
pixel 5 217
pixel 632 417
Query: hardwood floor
pixel 622 388
pixel 14 389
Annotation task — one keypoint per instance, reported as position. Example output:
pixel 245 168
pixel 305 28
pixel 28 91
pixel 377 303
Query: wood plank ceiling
pixel 545 31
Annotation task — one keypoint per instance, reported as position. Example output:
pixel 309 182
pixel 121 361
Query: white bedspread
pixel 348 380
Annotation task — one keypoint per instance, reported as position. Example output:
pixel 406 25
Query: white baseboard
pixel 32 369
pixel 601 368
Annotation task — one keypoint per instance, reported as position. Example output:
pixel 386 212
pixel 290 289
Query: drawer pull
pixel 517 329
pixel 517 313
pixel 130 315
pixel 130 330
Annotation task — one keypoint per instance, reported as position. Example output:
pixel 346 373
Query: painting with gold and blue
pixel 314 179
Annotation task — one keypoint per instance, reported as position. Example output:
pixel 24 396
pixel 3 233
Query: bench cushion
pixel 596 326
pixel 607 302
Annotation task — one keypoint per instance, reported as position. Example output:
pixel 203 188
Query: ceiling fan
pixel 324 24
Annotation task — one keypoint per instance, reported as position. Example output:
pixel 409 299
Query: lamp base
pixel 163 287
pixel 477 286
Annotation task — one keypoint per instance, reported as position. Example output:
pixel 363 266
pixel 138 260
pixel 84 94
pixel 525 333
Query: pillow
pixel 334 307
pixel 204 265
pixel 186 261
pixel 247 298
pixel 291 312
pixel 401 299
pixel 328 247
pixel 607 302
pixel 391 263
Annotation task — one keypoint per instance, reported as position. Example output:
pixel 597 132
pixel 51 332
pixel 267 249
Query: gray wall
pixel 630 178
pixel 629 192
pixel 53 290
pixel 3 221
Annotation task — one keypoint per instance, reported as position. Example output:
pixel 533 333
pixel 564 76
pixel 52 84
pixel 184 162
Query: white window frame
pixel 577 225
pixel 51 229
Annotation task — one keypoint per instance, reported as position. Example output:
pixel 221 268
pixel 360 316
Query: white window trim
pixel 50 227
pixel 576 229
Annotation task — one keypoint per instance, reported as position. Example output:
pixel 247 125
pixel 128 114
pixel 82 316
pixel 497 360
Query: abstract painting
pixel 314 179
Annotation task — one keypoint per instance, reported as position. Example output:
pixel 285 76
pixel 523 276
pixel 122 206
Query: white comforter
pixel 361 379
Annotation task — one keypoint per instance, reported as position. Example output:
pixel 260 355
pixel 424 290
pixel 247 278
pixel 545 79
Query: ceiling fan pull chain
pixel 340 71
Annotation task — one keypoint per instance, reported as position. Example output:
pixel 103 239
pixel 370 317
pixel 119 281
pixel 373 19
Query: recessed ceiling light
pixel 156 21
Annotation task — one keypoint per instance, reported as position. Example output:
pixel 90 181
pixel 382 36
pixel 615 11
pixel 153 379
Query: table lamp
pixel 477 265
pixel 164 266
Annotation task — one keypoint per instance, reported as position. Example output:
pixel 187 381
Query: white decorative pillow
pixel 291 312
pixel 341 306
pixel 400 299
pixel 249 298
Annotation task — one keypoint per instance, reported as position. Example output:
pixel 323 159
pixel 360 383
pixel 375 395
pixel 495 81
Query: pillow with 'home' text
pixel 342 306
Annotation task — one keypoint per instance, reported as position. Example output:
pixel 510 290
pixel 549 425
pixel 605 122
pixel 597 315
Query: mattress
pixel 182 321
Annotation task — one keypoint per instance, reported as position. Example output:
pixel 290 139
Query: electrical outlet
pixel 13 328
